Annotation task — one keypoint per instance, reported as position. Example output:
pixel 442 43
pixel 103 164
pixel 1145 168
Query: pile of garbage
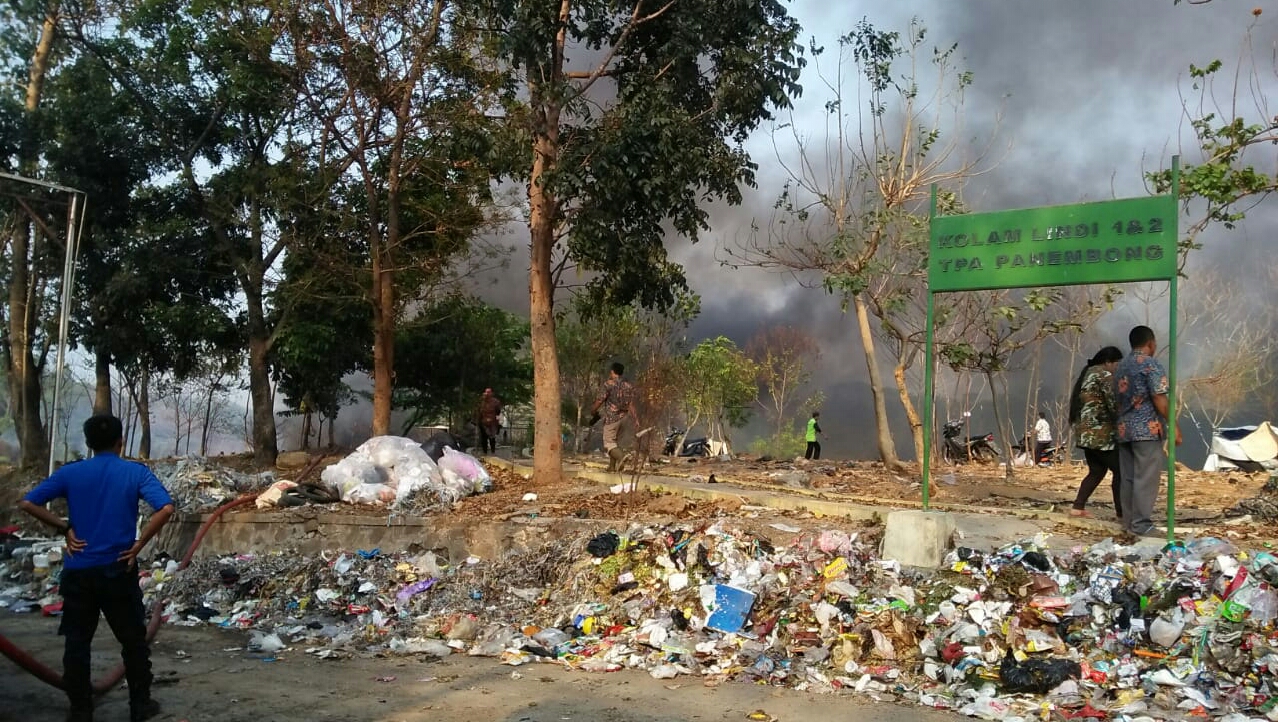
pixel 198 486
pixel 1102 632
pixel 397 472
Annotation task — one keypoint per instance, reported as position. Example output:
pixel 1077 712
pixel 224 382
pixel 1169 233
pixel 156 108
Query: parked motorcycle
pixel 1053 454
pixel 957 449
pixel 691 447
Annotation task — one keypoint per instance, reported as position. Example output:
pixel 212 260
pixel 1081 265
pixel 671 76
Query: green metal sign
pixel 1120 241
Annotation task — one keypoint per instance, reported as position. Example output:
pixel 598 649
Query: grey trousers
pixel 1141 464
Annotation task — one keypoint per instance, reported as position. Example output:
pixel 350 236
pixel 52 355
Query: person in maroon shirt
pixel 489 421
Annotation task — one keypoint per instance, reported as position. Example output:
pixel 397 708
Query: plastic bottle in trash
pixel 1264 607
pixel 40 564
pixel 551 637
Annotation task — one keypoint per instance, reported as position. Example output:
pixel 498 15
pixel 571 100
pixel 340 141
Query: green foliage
pixel 720 385
pixel 688 82
pixel 454 349
pixel 1227 179
pixel 323 327
pixel 785 444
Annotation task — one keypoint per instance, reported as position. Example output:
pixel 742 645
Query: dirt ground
pixel 205 675
pixel 1201 497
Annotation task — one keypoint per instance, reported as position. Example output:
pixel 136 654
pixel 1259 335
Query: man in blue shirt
pixel 99 573
pixel 1140 394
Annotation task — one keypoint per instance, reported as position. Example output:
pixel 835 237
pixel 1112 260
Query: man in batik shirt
pixel 616 401
pixel 1140 390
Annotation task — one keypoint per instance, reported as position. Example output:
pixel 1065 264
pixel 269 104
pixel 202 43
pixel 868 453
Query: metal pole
pixel 1173 306
pixel 927 379
pixel 64 320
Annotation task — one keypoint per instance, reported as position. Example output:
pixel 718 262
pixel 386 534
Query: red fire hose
pixel 48 676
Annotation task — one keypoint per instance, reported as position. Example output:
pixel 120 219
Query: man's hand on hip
pixel 75 544
pixel 130 555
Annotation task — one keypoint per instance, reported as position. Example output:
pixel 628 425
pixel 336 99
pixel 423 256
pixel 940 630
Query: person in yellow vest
pixel 814 429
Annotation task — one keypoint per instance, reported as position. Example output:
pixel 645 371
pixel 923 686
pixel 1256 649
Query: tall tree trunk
pixel 911 413
pixel 883 435
pixel 306 431
pixel 383 343
pixel 124 400
pixel 383 331
pixel 332 432
pixel 144 415
pixel 207 426
pixel 543 222
pixel 102 382
pixel 177 422
pixel 547 444
pixel 1003 422
pixel 264 438
pixel 24 375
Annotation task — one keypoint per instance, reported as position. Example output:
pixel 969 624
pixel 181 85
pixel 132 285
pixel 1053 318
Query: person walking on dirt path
pixel 1140 393
pixel 1094 414
pixel 100 573
pixel 490 408
pixel 814 430
pixel 1042 438
pixel 616 401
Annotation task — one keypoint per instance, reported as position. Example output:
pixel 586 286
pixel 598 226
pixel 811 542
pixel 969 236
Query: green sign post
pixel 1122 241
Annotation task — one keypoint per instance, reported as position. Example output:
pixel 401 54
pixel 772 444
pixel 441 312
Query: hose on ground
pixel 42 671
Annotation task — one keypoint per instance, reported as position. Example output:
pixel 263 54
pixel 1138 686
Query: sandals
pixel 1083 513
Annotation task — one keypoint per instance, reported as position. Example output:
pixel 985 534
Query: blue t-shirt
pixel 102 497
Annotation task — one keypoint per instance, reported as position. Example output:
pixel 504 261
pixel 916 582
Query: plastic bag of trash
pixel 393 451
pixel 415 475
pixel 434 446
pixel 391 469
pixel 468 468
pixel 1036 675
pixel 375 494
pixel 1165 630
pixel 266 643
pixel 351 472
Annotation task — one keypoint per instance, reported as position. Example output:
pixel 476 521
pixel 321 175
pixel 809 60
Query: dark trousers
pixel 814 450
pixel 1040 447
pixel 488 439
pixel 1098 463
pixel 113 592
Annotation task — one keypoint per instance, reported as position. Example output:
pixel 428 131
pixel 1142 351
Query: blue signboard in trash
pixel 731 608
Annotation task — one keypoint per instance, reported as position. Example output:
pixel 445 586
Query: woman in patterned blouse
pixel 1094 414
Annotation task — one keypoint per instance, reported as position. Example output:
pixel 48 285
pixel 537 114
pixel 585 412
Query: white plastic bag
pixel 468 468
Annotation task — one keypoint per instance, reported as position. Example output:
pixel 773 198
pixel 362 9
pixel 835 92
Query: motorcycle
pixel 1051 455
pixel 957 449
pixel 691 447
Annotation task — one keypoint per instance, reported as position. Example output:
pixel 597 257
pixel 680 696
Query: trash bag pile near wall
pixel 394 471
pixel 1025 632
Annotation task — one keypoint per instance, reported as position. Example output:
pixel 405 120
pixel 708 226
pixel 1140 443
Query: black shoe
pixel 144 711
